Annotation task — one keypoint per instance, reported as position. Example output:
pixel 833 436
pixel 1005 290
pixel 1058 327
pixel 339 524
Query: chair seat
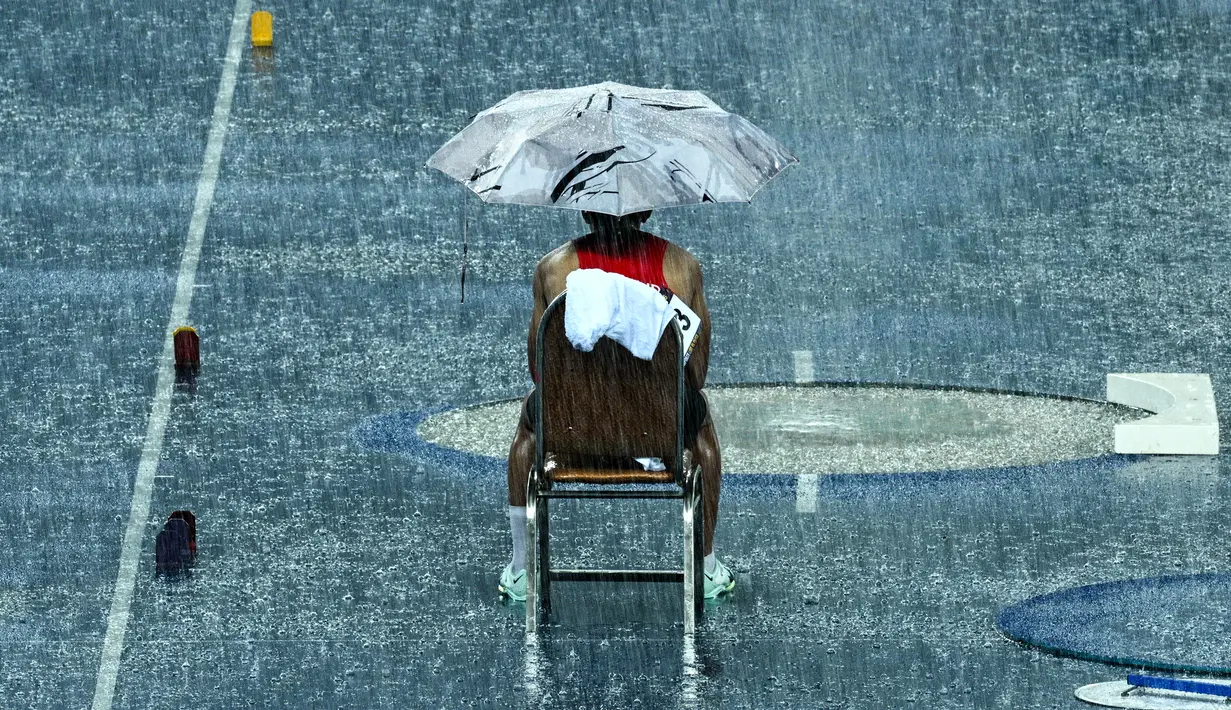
pixel 609 476
pixel 606 470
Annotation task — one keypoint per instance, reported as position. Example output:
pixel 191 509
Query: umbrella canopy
pixel 611 148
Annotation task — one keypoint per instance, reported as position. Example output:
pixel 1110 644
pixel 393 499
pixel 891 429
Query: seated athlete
pixel 617 245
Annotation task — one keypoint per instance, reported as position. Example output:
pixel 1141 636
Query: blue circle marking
pixel 1171 623
pixel 397 433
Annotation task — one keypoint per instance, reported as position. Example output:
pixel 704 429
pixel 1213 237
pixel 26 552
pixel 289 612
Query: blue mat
pixel 1176 623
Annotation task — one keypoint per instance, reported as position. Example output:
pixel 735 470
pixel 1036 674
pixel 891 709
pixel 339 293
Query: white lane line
pixel 160 409
pixel 803 366
pixel 806 483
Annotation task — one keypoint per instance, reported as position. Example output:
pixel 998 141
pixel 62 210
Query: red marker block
pixel 187 350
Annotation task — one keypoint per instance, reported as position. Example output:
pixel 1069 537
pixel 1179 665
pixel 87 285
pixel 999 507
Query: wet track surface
pixel 1022 196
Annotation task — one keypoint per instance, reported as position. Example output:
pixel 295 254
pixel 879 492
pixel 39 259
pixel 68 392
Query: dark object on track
pixel 187 350
pixel 187 358
pixel 175 549
pixel 188 517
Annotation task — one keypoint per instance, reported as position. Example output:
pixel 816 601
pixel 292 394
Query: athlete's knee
pixel 707 440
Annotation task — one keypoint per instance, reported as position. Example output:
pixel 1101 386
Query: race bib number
pixel 689 322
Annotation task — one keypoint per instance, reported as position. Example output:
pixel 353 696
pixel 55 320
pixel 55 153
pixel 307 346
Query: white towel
pixel 629 312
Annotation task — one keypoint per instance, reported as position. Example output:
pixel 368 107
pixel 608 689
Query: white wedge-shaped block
pixel 1185 420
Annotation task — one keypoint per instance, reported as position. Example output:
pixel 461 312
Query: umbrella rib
pixel 477 174
pixel 669 107
pixel 615 174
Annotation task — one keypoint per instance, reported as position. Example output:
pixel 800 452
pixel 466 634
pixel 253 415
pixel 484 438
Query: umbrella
pixel 611 148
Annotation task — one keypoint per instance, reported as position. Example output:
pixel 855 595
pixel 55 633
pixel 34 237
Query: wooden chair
pixel 594 412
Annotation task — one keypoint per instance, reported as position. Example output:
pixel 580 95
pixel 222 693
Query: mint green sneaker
pixel 513 586
pixel 720 581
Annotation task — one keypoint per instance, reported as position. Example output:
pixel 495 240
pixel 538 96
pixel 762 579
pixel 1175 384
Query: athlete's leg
pixel 521 456
pixel 708 456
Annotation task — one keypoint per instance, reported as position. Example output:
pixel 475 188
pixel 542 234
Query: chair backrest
pixel 607 402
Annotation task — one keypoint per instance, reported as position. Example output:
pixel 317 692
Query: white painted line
pixel 1185 420
pixel 803 366
pixel 806 483
pixel 1112 695
pixel 160 409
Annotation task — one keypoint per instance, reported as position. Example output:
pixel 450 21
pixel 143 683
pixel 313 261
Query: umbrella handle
pixel 465 249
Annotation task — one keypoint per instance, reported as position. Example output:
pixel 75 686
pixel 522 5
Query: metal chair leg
pixel 532 555
pixel 690 553
pixel 698 556
pixel 544 555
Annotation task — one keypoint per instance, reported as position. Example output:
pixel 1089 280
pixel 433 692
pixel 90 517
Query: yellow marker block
pixel 262 29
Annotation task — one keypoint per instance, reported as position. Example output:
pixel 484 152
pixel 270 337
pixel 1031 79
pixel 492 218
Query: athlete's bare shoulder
pixel 553 268
pixel 680 257
pixel 560 256
pixel 682 270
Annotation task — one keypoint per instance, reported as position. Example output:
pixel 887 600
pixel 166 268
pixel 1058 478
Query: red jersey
pixel 643 263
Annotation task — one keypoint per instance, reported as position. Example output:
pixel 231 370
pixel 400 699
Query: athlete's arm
pixel 684 272
pixel 540 305
pixel 699 361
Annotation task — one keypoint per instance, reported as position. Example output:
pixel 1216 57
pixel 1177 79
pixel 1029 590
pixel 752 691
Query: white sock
pixel 517 527
pixel 710 563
